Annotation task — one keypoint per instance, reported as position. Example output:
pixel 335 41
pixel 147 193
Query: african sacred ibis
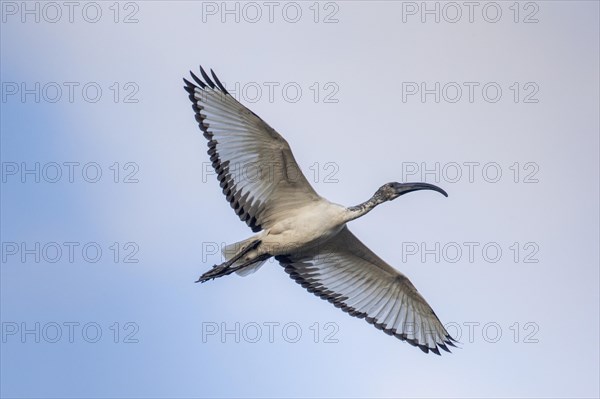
pixel 306 233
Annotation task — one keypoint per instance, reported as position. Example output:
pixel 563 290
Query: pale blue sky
pixel 364 135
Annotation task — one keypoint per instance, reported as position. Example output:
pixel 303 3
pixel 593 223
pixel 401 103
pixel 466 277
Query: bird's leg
pixel 225 268
pixel 243 252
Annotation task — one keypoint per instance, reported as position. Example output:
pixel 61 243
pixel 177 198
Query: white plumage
pixel 306 233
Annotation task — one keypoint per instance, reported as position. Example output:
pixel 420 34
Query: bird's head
pixel 391 191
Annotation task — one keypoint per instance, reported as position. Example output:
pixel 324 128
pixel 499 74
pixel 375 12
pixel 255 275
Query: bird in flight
pixel 307 234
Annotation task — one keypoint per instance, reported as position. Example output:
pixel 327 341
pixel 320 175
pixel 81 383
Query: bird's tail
pixel 231 250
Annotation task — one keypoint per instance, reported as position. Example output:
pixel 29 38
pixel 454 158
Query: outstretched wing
pixel 348 274
pixel 254 164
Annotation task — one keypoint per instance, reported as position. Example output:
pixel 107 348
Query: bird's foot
pixel 216 272
pixel 225 269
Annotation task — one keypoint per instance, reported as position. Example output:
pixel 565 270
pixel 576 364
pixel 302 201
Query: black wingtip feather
pixel 189 87
pixel 198 80
pixel 207 78
pixel 218 82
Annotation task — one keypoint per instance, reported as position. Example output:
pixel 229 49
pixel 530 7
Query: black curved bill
pixel 404 188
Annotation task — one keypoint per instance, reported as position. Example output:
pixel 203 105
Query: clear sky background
pixel 509 261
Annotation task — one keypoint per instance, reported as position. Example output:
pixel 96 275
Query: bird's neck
pixel 361 209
